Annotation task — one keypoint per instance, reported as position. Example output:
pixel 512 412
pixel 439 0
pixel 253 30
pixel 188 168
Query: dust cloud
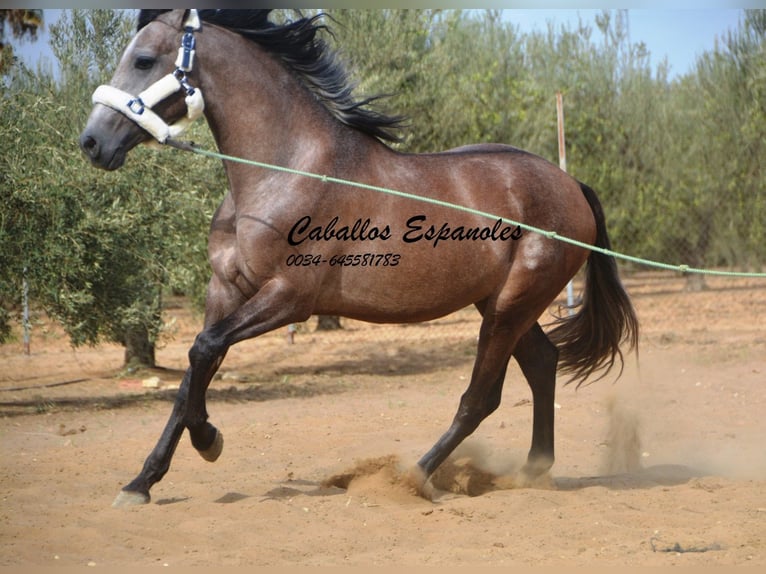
pixel 623 438
pixel 638 441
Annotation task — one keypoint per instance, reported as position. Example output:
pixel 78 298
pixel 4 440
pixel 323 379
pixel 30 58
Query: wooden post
pixel 25 311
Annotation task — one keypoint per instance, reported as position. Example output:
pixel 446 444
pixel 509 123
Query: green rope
pixel 550 234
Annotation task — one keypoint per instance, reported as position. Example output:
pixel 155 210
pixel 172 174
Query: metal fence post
pixel 563 165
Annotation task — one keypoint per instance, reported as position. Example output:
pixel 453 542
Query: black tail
pixel 590 340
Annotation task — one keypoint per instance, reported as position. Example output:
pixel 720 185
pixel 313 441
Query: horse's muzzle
pixel 103 156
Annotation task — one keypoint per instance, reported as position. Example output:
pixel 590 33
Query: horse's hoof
pixel 535 473
pixel 542 481
pixel 537 466
pixel 416 479
pixel 130 498
pixel 212 453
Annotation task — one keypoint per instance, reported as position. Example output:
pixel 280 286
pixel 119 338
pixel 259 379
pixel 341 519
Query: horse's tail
pixel 590 340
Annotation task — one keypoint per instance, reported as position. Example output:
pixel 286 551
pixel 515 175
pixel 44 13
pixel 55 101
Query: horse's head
pixel 150 96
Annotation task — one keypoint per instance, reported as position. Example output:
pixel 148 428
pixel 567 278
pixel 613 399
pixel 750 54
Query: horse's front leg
pixel 274 306
pixel 204 358
pixel 158 461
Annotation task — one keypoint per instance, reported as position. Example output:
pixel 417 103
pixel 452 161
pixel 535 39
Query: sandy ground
pixel 665 467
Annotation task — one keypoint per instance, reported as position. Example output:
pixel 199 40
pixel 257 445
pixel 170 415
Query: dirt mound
pixel 384 475
pixel 467 472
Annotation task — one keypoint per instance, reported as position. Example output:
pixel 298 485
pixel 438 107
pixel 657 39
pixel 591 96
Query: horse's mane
pixel 297 45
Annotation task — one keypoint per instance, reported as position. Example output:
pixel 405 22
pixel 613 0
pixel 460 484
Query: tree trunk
pixel 139 350
pixel 328 323
pixel 696 281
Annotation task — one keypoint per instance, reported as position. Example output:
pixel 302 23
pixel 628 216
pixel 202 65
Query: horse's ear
pixel 173 18
pixel 147 16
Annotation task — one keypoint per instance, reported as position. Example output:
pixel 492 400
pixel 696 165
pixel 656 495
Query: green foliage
pixel 677 164
pixel 99 248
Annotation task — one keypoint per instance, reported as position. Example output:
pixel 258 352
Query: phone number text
pixel 357 260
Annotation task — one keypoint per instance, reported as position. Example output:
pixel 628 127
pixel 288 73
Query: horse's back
pixel 508 182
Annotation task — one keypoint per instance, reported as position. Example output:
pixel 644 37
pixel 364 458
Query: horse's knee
pixel 205 356
pixel 205 349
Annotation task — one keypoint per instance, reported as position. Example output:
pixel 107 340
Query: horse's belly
pixel 416 284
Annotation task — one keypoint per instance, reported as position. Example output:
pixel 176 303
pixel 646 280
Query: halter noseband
pixel 139 108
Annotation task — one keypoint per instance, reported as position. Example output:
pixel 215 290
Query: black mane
pixel 296 44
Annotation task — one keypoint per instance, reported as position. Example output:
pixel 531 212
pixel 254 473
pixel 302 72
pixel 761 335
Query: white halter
pixel 138 108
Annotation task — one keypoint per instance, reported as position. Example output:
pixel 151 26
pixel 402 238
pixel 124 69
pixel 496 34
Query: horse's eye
pixel 144 63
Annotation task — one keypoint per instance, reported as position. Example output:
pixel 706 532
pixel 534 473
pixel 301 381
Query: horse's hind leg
pixel 538 358
pixel 496 342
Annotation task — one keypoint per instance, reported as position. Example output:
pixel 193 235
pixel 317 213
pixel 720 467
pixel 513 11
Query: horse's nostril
pixel 89 145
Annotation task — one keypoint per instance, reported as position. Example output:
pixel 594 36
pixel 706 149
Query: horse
pixel 283 247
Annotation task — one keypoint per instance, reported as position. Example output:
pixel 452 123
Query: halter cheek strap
pixel 139 108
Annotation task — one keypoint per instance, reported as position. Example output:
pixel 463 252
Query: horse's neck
pixel 244 121
pixel 263 113
pixel 255 108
